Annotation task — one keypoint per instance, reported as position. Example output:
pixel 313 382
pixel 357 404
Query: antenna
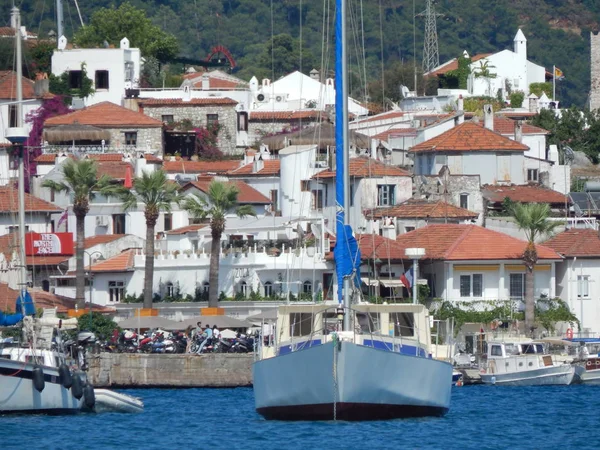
pixel 431 55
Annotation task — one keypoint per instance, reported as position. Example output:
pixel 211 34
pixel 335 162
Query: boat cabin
pixel 44 357
pixel 504 357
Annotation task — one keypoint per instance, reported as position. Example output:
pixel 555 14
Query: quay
pixel 138 370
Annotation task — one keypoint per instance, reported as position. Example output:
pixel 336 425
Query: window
pixel 464 201
pixel 243 288
pixel 409 229
pixel 368 322
pixel 167 118
pixel 170 289
pixel 307 287
pixel 12 115
pixel 273 197
pixel 471 285
pixel 317 199
pixel 131 138
pixel 517 286
pixel 301 324
pixel 212 120
pixel 75 79
pixel 205 287
pixel 118 224
pixel 268 289
pixel 168 222
pixel 496 350
pixel 386 195
pixel 404 323
pixel 128 70
pixel 242 121
pixel 116 290
pixel 532 175
pixel 101 79
pixel 305 185
pixel 583 286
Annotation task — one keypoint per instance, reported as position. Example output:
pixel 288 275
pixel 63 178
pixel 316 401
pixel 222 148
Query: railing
pixel 50 149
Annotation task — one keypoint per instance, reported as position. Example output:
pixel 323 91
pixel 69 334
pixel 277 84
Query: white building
pixel 112 70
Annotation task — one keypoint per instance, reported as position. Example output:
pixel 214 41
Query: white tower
pixel 520 44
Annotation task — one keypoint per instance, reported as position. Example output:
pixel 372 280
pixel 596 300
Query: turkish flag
pixel 128 181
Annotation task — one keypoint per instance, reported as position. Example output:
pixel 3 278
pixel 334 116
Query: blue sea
pixel 481 417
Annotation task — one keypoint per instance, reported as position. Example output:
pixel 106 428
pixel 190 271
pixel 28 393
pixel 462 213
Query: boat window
pixel 528 349
pixel 496 350
pixel 368 322
pixel 512 349
pixel 404 323
pixel 539 348
pixel 301 324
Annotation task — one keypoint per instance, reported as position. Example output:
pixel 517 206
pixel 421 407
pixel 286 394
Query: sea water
pixel 481 417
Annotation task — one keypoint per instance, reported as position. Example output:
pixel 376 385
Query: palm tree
pixel 219 200
pixel 80 178
pixel 484 71
pixel 532 218
pixel 157 194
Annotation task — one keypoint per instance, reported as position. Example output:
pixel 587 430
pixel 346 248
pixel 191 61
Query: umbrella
pixel 150 322
pixel 270 314
pixel 220 321
pixel 228 334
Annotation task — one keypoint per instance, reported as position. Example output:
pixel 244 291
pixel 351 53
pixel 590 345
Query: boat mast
pixel 60 19
pixel 342 193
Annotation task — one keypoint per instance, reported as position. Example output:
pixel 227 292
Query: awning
pixel 392 283
pixel 370 282
pixel 75 132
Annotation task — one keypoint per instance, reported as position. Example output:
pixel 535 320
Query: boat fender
pixel 37 375
pixel 89 396
pixel 66 379
pixel 569 333
pixel 77 386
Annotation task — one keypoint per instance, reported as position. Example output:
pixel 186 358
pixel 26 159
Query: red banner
pixel 49 244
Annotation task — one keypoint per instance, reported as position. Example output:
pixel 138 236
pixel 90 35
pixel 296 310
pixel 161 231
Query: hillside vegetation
pixel 557 33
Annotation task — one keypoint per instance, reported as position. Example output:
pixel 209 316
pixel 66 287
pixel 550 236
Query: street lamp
pixel 415 254
pixel 100 258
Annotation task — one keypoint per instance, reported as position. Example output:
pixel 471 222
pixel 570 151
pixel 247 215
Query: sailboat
pixel 345 361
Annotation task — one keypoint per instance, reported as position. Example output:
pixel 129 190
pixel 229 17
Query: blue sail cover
pixel 347 257
pixel 24 307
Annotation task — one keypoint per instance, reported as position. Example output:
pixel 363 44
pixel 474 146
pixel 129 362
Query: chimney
pixel 519 130
pixel 488 117
pixel 460 106
pixel 258 165
pixel 205 82
pixel 388 228
pixel 314 74
pixel 41 85
pixel 13 17
pixel 533 103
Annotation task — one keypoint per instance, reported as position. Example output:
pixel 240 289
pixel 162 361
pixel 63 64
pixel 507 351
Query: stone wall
pixel 198 116
pixel 595 71
pixel 143 370
pixel 149 139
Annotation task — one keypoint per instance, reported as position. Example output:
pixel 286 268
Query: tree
pixel 485 71
pixel 80 178
pixel 281 56
pixel 221 198
pixel 111 25
pixel 532 218
pixel 157 194
pixel 60 85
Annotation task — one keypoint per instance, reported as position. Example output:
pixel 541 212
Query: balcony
pixel 95 149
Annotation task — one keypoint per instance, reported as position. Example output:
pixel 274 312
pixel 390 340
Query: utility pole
pixel 431 55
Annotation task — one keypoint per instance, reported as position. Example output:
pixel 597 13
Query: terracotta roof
pixel 271 168
pixel 113 169
pixel 107 115
pixel 505 125
pixel 373 246
pixel 46 158
pixel 217 83
pixel 415 208
pixel 106 157
pixel 468 137
pixel 247 194
pixel 152 159
pixel 42 299
pixel 217 167
pixel 383 116
pixel 101 239
pixel 44 261
pixel 576 242
pixel 9 202
pixel 395 132
pixel 453 64
pixel 10 32
pixel 367 167
pixel 8 86
pixel 522 193
pixel 121 263
pixel 285 115
pixel 144 102
pixel 186 229
pixel 454 242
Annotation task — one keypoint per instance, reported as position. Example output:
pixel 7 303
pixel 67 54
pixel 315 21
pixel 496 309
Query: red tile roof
pixel 46 158
pixel 468 137
pixel 107 115
pixel 45 261
pixel 271 168
pixel 101 239
pixel 453 65
pixel 9 202
pixel 522 193
pixel 186 229
pixel 415 208
pixel 106 156
pixel 217 83
pixel 152 159
pixel 286 115
pixel 373 246
pixel 454 242
pixel 10 32
pixel 395 132
pixel 8 86
pixel 367 167
pixel 216 167
pixel 506 126
pixel 113 169
pixel 223 101
pixel 383 116
pixel 247 194
pixel 576 242
pixel 123 262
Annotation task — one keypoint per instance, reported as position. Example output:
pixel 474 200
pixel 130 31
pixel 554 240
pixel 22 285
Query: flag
pixel 558 74
pixel 128 181
pixel 407 278
pixel 63 217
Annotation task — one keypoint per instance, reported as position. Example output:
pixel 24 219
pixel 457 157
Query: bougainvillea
pixel 207 141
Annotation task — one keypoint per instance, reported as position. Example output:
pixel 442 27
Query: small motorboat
pixel 112 401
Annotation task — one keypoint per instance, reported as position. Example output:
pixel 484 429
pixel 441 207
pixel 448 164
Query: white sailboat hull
pixel 18 394
pixel 352 382
pixel 560 374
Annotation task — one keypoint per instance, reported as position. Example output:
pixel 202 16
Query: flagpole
pixel 553 83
